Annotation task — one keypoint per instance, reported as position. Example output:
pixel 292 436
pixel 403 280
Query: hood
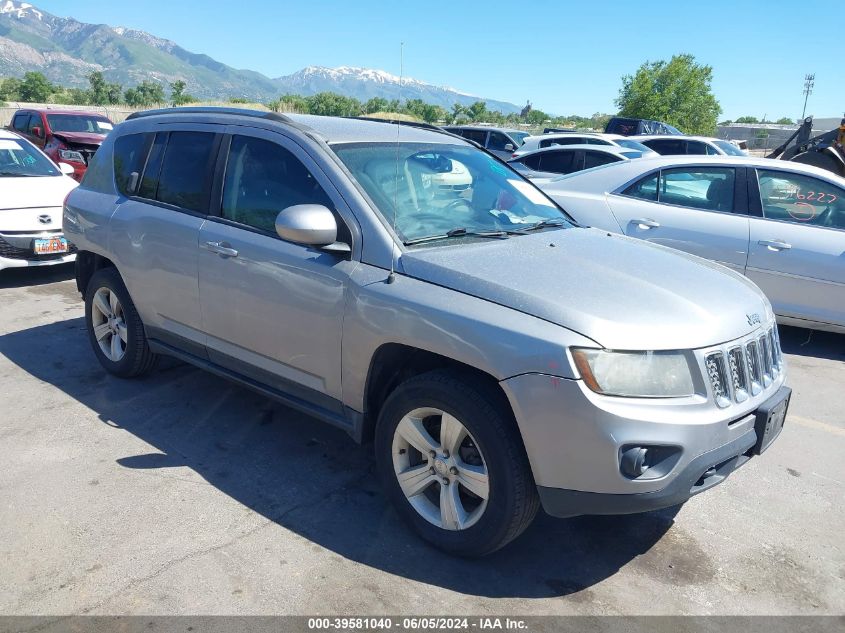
pixel 34 192
pixel 86 138
pixel 622 293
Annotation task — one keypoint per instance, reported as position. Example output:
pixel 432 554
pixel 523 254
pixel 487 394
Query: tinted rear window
pixel 185 170
pixel 128 158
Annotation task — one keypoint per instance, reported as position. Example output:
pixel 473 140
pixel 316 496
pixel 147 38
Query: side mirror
pixel 311 225
pixel 66 169
pixel 509 147
pixel 36 131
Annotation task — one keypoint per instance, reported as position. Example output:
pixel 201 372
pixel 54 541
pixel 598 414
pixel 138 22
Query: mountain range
pixel 67 51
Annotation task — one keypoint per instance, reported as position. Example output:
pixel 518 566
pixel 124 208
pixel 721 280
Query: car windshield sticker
pixel 105 125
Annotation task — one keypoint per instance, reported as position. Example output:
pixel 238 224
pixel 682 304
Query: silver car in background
pixel 782 224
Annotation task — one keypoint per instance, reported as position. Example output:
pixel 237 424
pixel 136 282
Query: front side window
pixel 440 189
pixel 710 188
pixel 19 158
pixel 498 141
pixel 801 199
pixel 263 179
pixel 35 122
pixel 697 147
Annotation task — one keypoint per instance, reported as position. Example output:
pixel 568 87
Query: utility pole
pixel 809 81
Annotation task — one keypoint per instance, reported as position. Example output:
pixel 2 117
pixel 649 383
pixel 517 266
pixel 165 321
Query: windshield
pixel 439 188
pixel 629 144
pixel 19 158
pixel 519 137
pixel 729 148
pixel 79 123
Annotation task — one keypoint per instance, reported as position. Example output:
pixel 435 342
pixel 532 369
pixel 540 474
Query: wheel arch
pixel 393 363
pixel 87 263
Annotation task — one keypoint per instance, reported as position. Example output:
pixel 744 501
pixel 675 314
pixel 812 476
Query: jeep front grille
pixel 744 369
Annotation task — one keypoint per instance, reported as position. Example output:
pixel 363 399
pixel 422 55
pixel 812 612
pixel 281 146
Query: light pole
pixel 809 81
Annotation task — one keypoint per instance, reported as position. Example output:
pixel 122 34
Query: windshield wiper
pixel 15 173
pixel 461 231
pixel 545 224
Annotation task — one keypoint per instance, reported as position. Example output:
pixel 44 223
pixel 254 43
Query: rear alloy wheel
pixel 114 326
pixel 452 461
pixel 109 324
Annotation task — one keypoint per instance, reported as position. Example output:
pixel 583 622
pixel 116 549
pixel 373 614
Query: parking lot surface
pixel 183 494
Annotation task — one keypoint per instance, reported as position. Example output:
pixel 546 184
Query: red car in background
pixel 66 136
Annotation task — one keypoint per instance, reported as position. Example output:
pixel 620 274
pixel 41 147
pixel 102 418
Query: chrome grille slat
pixel 739 375
pixel 716 372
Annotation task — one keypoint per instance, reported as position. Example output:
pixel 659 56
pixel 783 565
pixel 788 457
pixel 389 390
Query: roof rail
pixel 256 114
pixel 417 124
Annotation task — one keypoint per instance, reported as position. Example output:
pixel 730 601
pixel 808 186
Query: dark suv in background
pixel 632 127
pixel 66 136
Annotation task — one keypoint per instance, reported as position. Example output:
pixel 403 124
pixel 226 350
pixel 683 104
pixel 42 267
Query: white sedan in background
pixel 666 145
pixel 32 191
pixel 542 141
pixel 780 223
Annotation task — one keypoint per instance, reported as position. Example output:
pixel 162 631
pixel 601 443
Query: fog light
pixel 635 461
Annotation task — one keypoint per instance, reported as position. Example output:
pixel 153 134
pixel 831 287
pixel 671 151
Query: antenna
pixel 392 276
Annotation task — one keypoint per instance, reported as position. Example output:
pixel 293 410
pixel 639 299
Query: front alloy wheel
pixel 444 479
pixel 451 458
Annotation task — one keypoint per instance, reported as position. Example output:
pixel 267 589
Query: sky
pixel 564 57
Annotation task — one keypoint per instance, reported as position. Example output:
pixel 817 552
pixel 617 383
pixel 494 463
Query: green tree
pixel 748 119
pixel 477 111
pixel 178 96
pixel 35 88
pixel 676 92
pixel 99 93
pixel 332 104
pixel 145 94
pixel 10 89
pixel 785 121
pixel 289 103
pixel 376 104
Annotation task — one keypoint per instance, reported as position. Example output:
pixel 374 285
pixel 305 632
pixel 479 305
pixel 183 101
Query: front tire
pixel 452 461
pixel 114 326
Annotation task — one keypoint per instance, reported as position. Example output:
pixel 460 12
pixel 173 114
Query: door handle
pixel 646 223
pixel 775 245
pixel 224 249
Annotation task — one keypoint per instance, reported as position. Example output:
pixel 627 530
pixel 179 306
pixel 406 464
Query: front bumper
pixel 575 440
pixel 703 472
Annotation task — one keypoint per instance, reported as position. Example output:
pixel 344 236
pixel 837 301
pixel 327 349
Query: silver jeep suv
pixel 410 288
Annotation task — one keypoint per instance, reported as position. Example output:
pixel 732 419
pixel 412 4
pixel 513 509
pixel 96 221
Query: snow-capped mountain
pixel 67 51
pixel 365 83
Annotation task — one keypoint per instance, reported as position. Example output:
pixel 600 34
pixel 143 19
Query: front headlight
pixel 635 374
pixel 70 154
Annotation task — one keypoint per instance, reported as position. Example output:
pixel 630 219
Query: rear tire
pixel 115 328
pixel 473 499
